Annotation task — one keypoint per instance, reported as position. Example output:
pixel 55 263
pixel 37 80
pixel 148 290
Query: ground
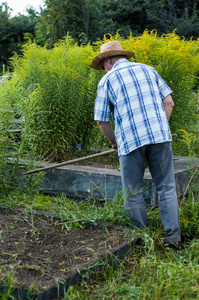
pixel 37 250
pixel 108 161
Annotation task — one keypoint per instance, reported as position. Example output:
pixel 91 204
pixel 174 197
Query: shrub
pixel 13 145
pixel 53 91
pixel 59 88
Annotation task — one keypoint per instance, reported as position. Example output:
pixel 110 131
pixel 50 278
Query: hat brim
pixel 96 63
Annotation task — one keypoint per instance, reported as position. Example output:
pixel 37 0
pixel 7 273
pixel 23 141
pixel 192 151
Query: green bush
pixel 59 90
pixel 13 145
pixel 53 91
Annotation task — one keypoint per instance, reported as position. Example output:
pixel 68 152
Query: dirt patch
pixel 101 164
pixel 37 251
pixel 108 162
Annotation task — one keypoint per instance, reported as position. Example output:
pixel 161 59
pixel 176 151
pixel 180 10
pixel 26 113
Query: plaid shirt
pixel 133 93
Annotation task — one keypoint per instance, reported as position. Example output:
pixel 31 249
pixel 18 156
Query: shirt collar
pixel 119 61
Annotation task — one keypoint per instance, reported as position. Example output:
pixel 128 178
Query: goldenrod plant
pixel 14 144
pixel 59 91
pixel 53 91
pixel 191 142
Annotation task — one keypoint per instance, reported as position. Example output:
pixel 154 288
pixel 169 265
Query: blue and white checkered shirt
pixel 134 94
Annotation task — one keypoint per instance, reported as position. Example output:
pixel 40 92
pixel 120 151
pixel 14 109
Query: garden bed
pixel 43 256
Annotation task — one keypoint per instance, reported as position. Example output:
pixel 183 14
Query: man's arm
pixel 107 130
pixel 168 106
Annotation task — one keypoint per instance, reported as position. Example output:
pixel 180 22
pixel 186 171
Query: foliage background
pixel 53 91
pixel 88 21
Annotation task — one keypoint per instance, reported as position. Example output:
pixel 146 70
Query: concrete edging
pixel 83 181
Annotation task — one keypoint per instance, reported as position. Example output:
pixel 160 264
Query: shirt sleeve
pixel 164 89
pixel 102 110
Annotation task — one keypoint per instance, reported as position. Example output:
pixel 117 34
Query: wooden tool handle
pixel 72 161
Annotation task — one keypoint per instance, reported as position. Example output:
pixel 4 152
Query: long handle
pixel 72 161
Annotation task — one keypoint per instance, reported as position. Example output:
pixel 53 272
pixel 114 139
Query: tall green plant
pixel 14 145
pixel 4 146
pixel 60 89
pixel 54 91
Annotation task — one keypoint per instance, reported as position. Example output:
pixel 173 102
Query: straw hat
pixel 112 48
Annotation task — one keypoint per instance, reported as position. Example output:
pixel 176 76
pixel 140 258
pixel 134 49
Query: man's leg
pixel 160 159
pixel 132 172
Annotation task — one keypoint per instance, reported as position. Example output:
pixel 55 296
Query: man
pixel 141 104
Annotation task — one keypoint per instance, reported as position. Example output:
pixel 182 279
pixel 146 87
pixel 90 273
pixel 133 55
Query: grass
pixel 150 271
pixel 147 275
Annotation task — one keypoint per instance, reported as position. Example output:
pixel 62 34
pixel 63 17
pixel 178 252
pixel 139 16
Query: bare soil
pixel 36 250
pixel 108 162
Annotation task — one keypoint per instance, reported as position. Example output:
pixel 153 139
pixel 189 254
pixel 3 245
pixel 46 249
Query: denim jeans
pixel 160 160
